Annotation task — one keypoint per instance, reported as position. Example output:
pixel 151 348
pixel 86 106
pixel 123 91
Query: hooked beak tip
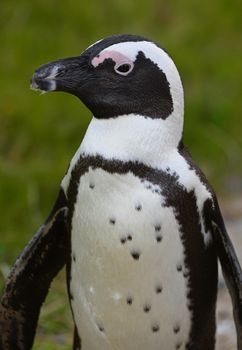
pixel 44 78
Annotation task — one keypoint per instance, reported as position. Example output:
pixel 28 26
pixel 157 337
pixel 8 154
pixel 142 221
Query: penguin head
pixel 119 75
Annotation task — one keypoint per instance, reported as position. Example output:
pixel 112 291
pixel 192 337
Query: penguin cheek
pixel 77 84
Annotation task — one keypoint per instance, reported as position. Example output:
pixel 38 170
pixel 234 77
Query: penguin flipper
pixel 231 270
pixel 30 279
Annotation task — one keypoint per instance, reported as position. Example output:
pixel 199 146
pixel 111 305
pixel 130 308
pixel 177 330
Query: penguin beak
pixel 67 74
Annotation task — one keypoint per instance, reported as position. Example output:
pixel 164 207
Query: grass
pixel 55 328
pixel 39 134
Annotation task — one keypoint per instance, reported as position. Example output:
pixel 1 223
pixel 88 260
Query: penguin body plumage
pixel 141 227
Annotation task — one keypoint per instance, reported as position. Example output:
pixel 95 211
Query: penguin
pixel 135 222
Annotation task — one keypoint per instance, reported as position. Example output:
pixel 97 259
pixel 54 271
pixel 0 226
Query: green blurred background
pixel 39 134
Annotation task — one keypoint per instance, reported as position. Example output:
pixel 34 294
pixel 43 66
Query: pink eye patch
pixel 116 56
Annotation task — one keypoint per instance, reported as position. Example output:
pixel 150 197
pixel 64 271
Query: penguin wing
pixel 231 269
pixel 30 278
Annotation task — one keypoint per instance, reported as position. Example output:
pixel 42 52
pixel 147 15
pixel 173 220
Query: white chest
pixel 128 287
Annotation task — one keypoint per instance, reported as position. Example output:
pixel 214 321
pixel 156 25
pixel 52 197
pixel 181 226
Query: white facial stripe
pixel 150 50
pixel 116 56
pixel 161 59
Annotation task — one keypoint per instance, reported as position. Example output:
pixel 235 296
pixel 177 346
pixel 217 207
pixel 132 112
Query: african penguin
pixel 135 221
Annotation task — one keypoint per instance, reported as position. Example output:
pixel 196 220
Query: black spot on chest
pixel 200 260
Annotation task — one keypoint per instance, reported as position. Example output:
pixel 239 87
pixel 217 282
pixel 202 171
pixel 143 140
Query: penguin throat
pixel 133 138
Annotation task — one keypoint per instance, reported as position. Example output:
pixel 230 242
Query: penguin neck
pixel 133 138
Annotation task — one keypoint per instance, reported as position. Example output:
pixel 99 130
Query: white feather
pixel 107 265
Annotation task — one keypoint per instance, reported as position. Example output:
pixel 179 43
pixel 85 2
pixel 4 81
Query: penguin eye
pixel 124 69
